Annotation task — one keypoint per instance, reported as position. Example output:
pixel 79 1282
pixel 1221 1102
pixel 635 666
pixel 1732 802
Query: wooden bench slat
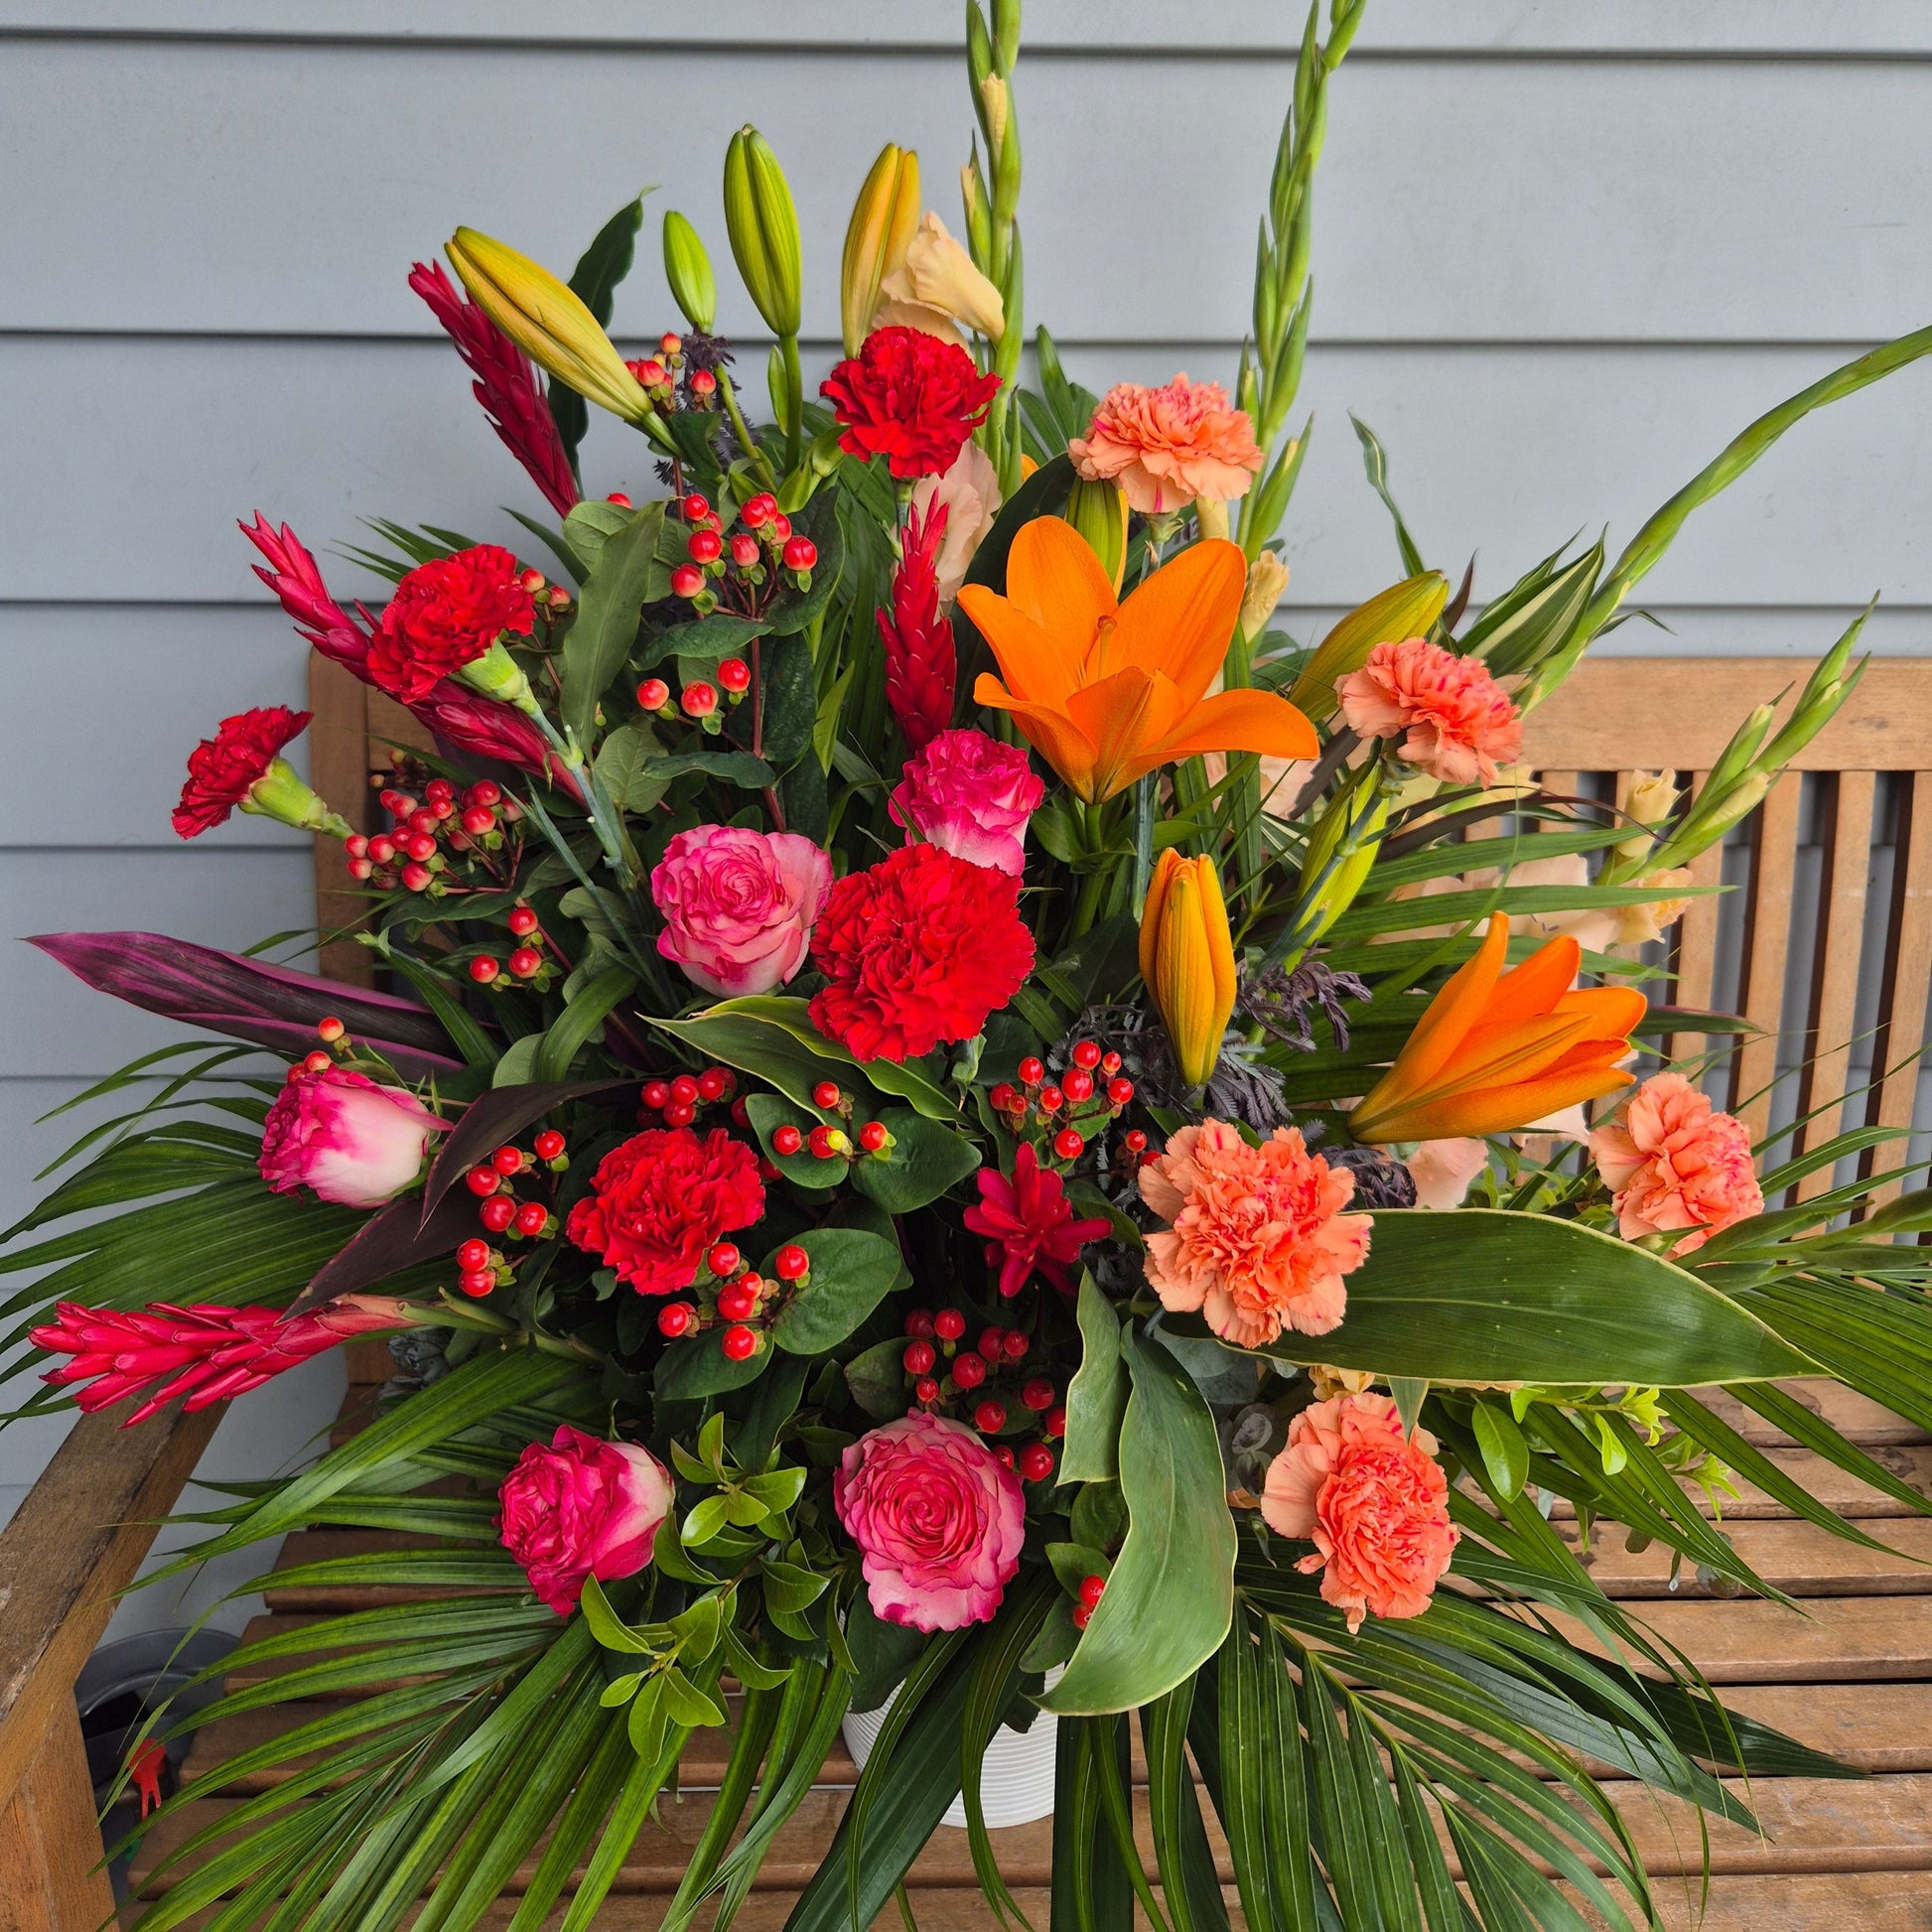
pixel 1795 1557
pixel 1774 872
pixel 1697 939
pixel 1909 979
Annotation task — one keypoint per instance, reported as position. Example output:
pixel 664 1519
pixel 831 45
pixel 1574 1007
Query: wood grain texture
pixel 1908 979
pixel 1775 860
pixel 51 1875
pixel 1693 949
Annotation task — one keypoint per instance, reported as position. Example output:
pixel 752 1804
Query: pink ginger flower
pixel 206 1352
pixel 1678 1165
pixel 1455 722
pixel 921 665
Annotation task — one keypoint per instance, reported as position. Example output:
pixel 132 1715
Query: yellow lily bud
pixel 549 321
pixel 884 218
pixel 1404 610
pixel 1187 960
pixel 1342 845
pixel 938 273
pixel 688 270
pixel 1098 510
pixel 1267 580
pixel 763 228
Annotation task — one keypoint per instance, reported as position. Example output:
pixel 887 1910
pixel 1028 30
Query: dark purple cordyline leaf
pixel 493 1118
pixel 246 999
pixel 397 1237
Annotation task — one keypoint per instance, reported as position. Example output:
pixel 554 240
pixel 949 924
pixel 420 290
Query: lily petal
pixel 1053 576
pixel 1234 721
pixel 1034 664
pixel 1182 620
pixel 1049 730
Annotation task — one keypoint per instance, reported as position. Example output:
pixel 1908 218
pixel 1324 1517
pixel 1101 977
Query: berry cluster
pixel 740 565
pixel 988 1377
pixel 1092 1589
pixel 482 1268
pixel 678 1102
pixel 657 375
pixel 426 833
pixel 1070 1112
pixel 527 963
pixel 736 1299
pixel 698 701
pixel 828 1142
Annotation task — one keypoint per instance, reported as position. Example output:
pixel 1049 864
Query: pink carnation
pixel 938 1519
pixel 1677 1165
pixel 582 1508
pixel 1259 1241
pixel 353 1142
pixel 738 904
pixel 970 795
pixel 1454 719
pixel 1374 1504
pixel 1166 447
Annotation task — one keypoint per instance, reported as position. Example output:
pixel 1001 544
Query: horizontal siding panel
pixel 1467 26
pixel 1781 202
pixel 1503 450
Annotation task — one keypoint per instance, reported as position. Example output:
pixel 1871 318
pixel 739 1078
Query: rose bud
pixel 346 1138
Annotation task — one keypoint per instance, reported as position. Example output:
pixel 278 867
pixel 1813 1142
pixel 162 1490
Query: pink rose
pixel 970 795
pixel 582 1508
pixel 354 1143
pixel 938 1519
pixel 738 904
pixel 1374 1503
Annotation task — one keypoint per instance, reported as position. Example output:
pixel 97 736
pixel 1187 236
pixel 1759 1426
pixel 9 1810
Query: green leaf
pixel 852 1272
pixel 792 1016
pixel 883 1652
pixel 791 1587
pixel 924 1159
pixel 1506 1455
pixel 1375 461
pixel 876 1377
pixel 790 699
pixel 695 1366
pixel 604 628
pixel 1171 1596
pixel 590 525
pixel 1097 1395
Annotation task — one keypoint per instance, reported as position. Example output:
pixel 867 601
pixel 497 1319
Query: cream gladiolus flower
pixel 937 274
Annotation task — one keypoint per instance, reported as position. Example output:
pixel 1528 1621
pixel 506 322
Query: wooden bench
pixel 1853 1676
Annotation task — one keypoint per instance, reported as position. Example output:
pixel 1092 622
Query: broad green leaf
pixel 695 1366
pixel 580 1021
pixel 1097 1395
pixel 604 628
pixel 876 1377
pixel 925 1157
pixel 790 1016
pixel 1506 1455
pixel 852 1272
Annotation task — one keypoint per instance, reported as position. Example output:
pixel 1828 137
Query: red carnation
pixel 222 770
pixel 921 666
pixel 445 614
pixel 910 398
pixel 916 951
pixel 659 1201
pixel 1031 1217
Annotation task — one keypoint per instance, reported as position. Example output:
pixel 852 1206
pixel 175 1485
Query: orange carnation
pixel 1258 1241
pixel 1167 447
pixel 1374 1503
pixel 1677 1165
pixel 1454 720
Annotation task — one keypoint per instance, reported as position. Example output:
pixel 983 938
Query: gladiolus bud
pixel 997 106
pixel 688 270
pixel 1342 849
pixel 763 228
pixel 1098 510
pixel 1652 794
pixel 548 322
pixel 1187 960
pixel 1267 580
pixel 884 218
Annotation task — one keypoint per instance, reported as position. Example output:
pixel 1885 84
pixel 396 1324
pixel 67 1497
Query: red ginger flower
pixel 506 385
pixel 916 951
pixel 921 666
pixel 660 1199
pixel 445 614
pixel 1031 1217
pixel 206 1352
pixel 225 769
pixel 910 398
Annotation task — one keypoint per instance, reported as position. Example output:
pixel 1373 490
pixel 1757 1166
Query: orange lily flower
pixel 1107 692
pixel 1499 1049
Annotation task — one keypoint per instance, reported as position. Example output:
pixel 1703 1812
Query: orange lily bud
pixel 1187 960
pixel 1496 1050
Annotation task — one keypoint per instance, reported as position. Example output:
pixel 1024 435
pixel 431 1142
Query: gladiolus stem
pixel 794 400
pixel 747 441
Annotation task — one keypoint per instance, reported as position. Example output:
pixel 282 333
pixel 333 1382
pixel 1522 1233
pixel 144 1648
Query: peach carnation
pixel 1374 1504
pixel 1454 719
pixel 1258 1241
pixel 1677 1165
pixel 1167 447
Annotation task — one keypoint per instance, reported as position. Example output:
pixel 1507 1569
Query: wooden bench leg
pixel 51 1875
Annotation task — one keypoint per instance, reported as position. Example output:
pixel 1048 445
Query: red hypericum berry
pixel 1037 1394
pixel 1086 1054
pixel 825 1095
pixel 423 821
pixel 919 1324
pixel 674 1317
pixel 694 508
pixel 526 962
pixel 1078 1084
pixel 744 549
pixel 702 546
pixel 736 1301
pixel 522 921
pixel 968 1371
pixel 703 384
pixel 482 1180
pixel 824 1142
pixel 1051 1099
pixel 439 791
pixel 687 579
pixel 993 1344
pixel 722 1259
pixel 920 1357
pixel 741 1114
pixel 360 869
pixel 1002 1454
pixel 416 878
pixel 925 1389
pixel 479 821
pixel 483 969
pixel 872 1136
pixel 1035 1463
pixel 531 1220
pixel 1110 1062
pixel 507 1160
pixel 735 674
pixel 1016 1345
pixel 397 804
pixel 760 510
pixel 497 1213
pixel 419 846
pixel 684 1090
pixel 699 700
pixel 1031 1071
pixel 1092 1589
pixel 485 791
pixel 1056 1422
pixel 712 1084
pixel 738 1343
pixel 791 1262
pixel 549 1144
pixel 949 1324
pixel 1134 1141
pixel 356 846
pixel 653 694
pixel 801 553
pixel 680 1113
pixel 670 343
pixel 1004 1097
pixel 786 1140
pixel 781 526
pixel 382 848
pixel 1068 1144
pixel 656 1094
pixel 990 1418
pixel 618 498
pixel 317 1062
pixel 1082 1616
pixel 1120 1092
pixel 472 1254
pixel 476 1282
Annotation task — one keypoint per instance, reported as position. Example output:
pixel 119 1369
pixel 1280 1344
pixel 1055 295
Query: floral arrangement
pixel 962 1124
